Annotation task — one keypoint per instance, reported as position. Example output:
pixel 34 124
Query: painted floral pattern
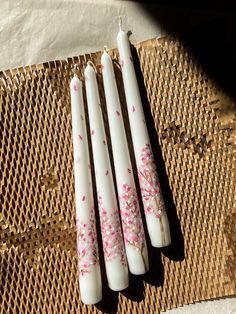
pixel 87 244
pixel 111 234
pixel 75 87
pixel 131 217
pixel 149 184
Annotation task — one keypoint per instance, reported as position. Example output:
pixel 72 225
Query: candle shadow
pixel 135 291
pixel 208 31
pixel 175 251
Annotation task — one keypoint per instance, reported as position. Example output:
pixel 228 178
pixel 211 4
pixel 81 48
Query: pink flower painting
pixel 149 183
pixel 111 234
pixel 87 244
pixel 131 217
pixel 75 88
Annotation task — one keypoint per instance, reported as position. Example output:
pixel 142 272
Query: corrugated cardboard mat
pixel 192 128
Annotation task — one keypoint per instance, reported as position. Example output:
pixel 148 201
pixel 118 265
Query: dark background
pixel 209 31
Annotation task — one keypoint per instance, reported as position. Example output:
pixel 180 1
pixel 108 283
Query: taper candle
pixel 134 236
pixel 154 207
pixel 87 247
pixel 113 245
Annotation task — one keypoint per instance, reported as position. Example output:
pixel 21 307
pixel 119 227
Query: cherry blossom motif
pixel 83 198
pixel 133 109
pixel 75 87
pixel 92 132
pixel 131 217
pixel 117 113
pixel 80 137
pixel 121 63
pixel 149 183
pixel 87 247
pixel 111 234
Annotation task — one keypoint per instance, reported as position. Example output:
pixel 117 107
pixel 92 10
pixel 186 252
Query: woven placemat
pixel 192 128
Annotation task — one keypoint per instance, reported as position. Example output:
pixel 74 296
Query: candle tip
pixel 92 65
pixel 75 69
pixel 120 23
pixel 105 49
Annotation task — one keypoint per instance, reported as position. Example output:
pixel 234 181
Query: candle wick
pixel 120 23
pixel 93 65
pixel 105 49
pixel 74 70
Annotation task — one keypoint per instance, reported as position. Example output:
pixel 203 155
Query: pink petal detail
pixel 111 233
pixel 117 112
pixel 83 198
pixel 149 183
pixel 75 88
pixel 133 109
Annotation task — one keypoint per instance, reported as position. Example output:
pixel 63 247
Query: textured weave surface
pixel 192 127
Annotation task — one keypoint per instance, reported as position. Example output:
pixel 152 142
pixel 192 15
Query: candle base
pixel 137 260
pixel 159 230
pixel 91 286
pixel 117 275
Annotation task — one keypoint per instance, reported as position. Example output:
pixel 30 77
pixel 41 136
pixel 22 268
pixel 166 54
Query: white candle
pixel 155 213
pixel 113 246
pixel 134 236
pixel 88 258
